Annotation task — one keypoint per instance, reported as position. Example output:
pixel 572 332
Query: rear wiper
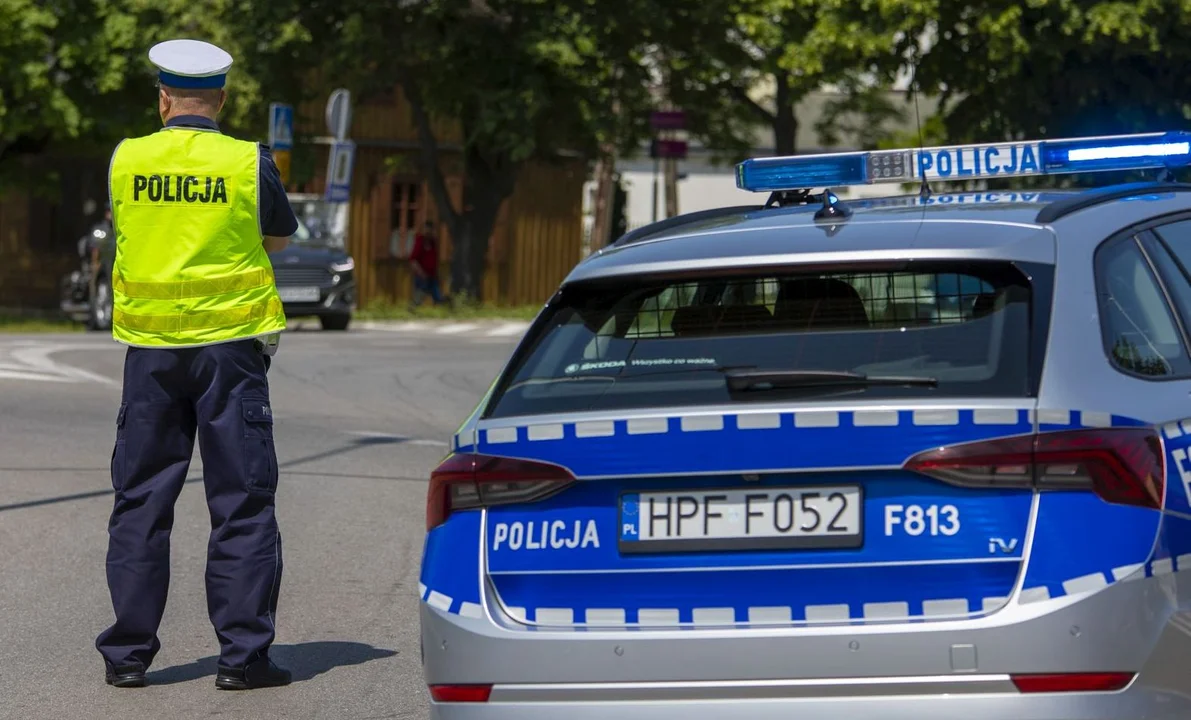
pixel 741 380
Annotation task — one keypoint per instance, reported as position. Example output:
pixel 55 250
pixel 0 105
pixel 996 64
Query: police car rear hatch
pixel 772 447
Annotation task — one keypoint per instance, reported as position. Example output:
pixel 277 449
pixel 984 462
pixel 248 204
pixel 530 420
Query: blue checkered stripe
pixel 694 443
pixel 1083 545
pixel 761 595
pixel 1054 571
pixel 450 578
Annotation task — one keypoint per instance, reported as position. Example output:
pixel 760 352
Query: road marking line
pixel 399 327
pixel 453 329
pixel 39 358
pixel 9 375
pixel 508 329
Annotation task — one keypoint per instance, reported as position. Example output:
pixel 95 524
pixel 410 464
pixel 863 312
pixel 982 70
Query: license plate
pixel 298 294
pixel 742 519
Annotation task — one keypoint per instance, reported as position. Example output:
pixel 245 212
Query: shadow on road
pixel 304 660
pixel 284 465
pixel 355 444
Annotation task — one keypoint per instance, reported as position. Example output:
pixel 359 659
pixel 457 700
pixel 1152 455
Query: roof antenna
pixel 832 208
pixel 924 190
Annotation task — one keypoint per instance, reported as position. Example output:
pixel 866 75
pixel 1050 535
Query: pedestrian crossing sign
pixel 281 126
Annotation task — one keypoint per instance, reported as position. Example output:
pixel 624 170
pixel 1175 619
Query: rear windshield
pixel 670 343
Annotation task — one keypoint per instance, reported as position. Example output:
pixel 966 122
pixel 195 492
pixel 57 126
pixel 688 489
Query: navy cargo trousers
pixel 219 393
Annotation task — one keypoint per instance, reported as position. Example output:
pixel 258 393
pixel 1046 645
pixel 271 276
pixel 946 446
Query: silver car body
pixel 1094 587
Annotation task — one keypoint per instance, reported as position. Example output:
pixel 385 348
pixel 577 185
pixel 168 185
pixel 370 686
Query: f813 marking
pixel 916 519
pixel 1180 464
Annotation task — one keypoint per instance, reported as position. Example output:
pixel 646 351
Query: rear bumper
pixel 688 673
pixel 1135 702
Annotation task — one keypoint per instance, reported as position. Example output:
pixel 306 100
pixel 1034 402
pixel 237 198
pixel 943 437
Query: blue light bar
pixel 967 162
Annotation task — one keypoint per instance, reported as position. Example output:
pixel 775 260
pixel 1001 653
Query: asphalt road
pixel 360 419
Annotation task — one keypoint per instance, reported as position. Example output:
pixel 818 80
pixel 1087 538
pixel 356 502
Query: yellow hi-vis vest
pixel 191 267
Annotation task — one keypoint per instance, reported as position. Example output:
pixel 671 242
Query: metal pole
pixel 655 189
pixel 671 187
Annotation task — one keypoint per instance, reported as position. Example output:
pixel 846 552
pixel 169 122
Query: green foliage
pixel 62 60
pixel 523 80
pixel 1056 68
pixel 527 79
pixel 739 63
pixel 76 78
pixel 863 112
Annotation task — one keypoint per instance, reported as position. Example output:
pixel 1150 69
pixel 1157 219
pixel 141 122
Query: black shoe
pixel 260 674
pixel 128 676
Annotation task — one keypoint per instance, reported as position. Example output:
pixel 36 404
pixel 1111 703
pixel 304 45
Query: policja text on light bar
pixel 967 162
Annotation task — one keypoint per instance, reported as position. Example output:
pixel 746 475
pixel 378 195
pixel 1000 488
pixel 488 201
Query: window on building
pixel 406 212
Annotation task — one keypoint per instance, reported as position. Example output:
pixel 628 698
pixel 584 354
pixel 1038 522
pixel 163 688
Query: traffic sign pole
pixel 281 158
pixel 342 154
pixel 281 137
pixel 339 113
pixel 340 163
pixel 668 151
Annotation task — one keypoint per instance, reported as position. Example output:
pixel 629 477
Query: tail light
pixel 460 693
pixel 468 480
pixel 1072 682
pixel 1124 466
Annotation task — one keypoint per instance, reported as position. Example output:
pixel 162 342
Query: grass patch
pixel 10 323
pixel 382 310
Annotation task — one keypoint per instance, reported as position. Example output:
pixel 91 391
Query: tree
pixel 738 64
pixel 620 221
pixel 76 76
pixel 63 62
pixel 522 79
pixel 1056 68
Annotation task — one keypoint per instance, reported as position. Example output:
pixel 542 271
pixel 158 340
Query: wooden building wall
pixel 538 235
pixel 536 241
pixel 39 233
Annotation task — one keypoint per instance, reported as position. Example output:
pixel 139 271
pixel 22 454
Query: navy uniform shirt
pixel 277 217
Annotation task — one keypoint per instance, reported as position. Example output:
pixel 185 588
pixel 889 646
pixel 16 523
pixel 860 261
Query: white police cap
pixel 190 64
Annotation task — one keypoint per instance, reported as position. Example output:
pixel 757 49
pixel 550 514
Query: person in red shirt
pixel 423 260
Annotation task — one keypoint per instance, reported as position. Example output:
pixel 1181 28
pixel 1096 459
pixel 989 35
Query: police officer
pixel 195 213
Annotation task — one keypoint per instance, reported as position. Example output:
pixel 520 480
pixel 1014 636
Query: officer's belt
pixel 197 320
pixel 178 289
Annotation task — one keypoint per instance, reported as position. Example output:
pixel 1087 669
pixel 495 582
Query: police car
pixel 315 274
pixel 913 457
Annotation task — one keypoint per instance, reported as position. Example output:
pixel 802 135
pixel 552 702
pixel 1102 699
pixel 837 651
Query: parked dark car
pixel 316 278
